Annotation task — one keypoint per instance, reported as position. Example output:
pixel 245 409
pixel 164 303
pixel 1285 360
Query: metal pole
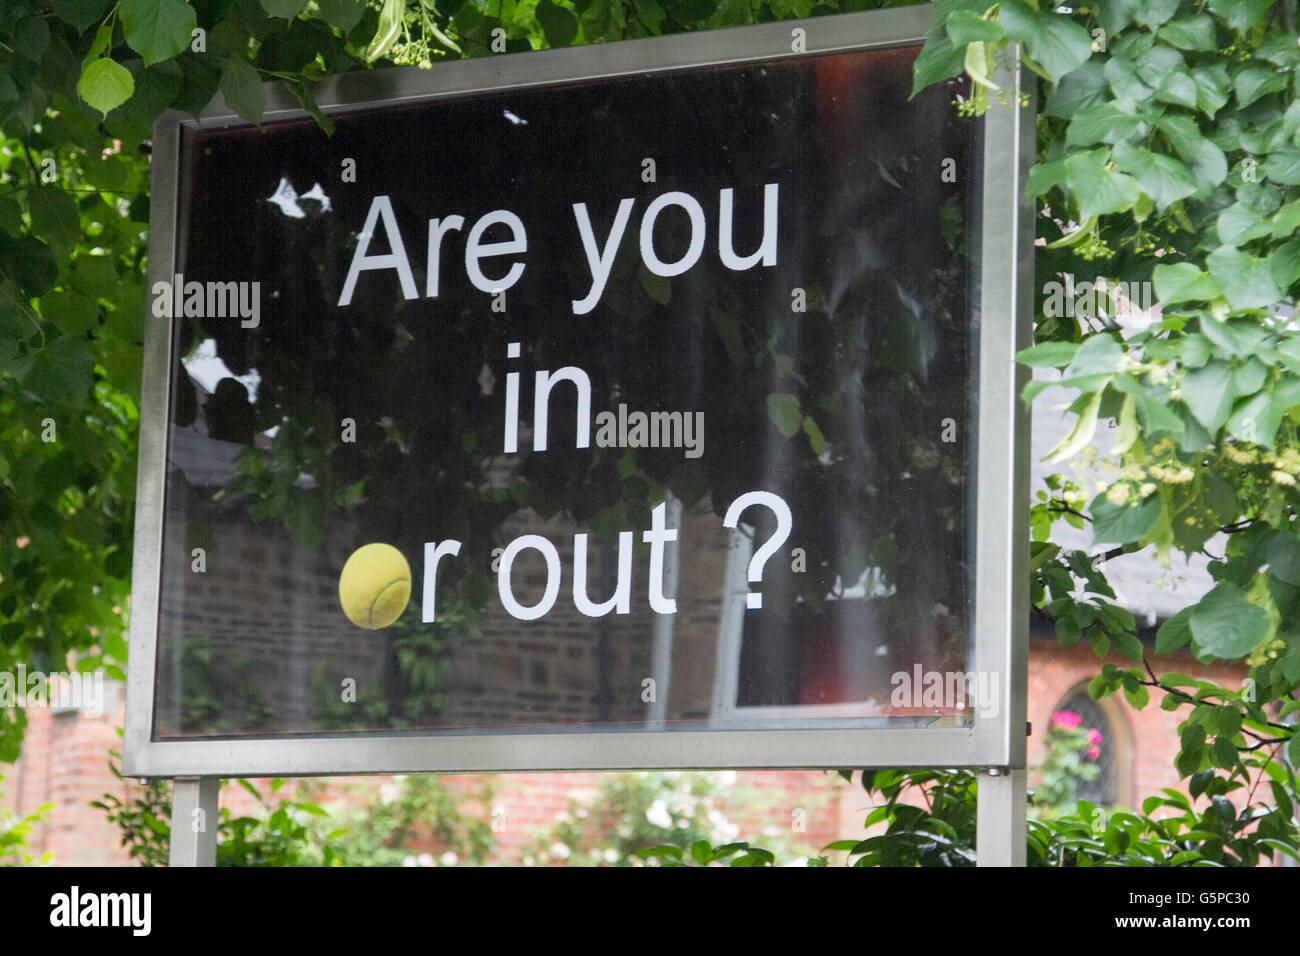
pixel 194 821
pixel 1000 834
pixel 1000 817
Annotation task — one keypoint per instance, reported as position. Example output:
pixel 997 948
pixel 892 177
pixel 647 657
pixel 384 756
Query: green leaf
pixel 1048 355
pixel 1083 87
pixel 1225 754
pixel 157 29
pixel 1184 135
pixel 1099 189
pixel 1190 33
pixel 1056 43
pixel 1253 82
pixel 80 14
pixel 94 276
pixel 1291 662
pixel 939 59
pixel 285 9
pixel 200 80
pixel 1175 632
pixel 105 85
pixel 1183 282
pixel 1043 176
pixel 967 26
pixel 559 25
pixel 1256 419
pixel 1085 426
pixel 783 410
pixel 1123 524
pixel 1121 76
pixel 1246 280
pixel 30 263
pixel 1129 645
pixel 1207 394
pixel 60 371
pixel 1102 123
pixel 1284 557
pixel 1163 178
pixel 343 14
pixel 1098 354
pixel 54 215
pixel 10 98
pixel 816 440
pixel 1283 166
pixel 1156 63
pixel 73 314
pixel 1226 625
pixel 1286 221
pixel 978 65
pixel 390 28
pixel 1157 418
pixel 1212 87
pixel 243 91
pixel 691 10
pixel 1127 432
pixel 115 644
pixel 1240 223
pixel 1210 166
pixel 1177 87
pixel 1241 15
pixel 1284 264
pixel 103 37
pixel 1137 696
pixel 1152 13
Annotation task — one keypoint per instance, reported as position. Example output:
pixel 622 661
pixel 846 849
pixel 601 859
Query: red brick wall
pixel 1056 671
pixel 65 762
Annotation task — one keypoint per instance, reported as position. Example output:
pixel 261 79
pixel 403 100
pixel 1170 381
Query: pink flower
pixel 1093 752
pixel 1094 736
pixel 1066 719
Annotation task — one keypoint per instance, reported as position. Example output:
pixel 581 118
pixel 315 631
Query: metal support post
pixel 194 821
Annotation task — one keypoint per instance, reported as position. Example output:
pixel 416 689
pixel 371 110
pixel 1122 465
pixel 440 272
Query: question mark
pixel 784 522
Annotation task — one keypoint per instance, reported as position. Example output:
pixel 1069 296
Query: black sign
pixel 642 401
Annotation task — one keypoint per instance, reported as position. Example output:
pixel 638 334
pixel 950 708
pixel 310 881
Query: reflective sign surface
pixel 619 403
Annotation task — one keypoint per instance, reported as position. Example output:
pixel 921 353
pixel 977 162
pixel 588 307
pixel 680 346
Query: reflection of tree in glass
pixel 840 408
pixel 218 692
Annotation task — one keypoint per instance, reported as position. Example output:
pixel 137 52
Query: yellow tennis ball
pixel 375 586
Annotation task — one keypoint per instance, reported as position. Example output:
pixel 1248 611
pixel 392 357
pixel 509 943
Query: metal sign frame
pixel 1002 273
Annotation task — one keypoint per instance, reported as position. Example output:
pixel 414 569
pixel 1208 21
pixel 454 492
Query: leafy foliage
pixel 1166 149
pixel 14 832
pixel 1169 153
pixel 928 819
pixel 1069 758
pixel 670 819
pixel 286 833
pixel 383 829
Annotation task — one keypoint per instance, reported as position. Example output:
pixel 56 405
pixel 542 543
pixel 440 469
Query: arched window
pixel 1111 750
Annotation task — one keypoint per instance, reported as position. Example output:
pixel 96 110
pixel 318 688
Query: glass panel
pixel 783 308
